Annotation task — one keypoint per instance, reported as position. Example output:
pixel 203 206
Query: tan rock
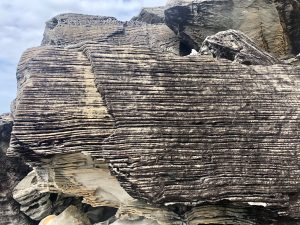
pixel 71 216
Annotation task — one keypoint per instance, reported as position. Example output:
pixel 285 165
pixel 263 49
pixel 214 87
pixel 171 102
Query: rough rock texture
pixel 194 20
pixel 289 11
pixel 133 131
pixel 174 130
pixel 67 29
pixel 73 28
pixel 237 47
pixel 151 15
pixel 12 170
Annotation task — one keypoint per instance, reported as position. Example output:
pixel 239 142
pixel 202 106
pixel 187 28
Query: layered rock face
pixel 123 126
pixel 69 29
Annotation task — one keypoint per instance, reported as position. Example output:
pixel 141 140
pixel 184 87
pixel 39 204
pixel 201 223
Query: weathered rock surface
pixel 122 130
pixel 72 28
pixel 194 20
pixel 235 46
pixel 36 199
pixel 12 170
pixel 151 15
pixel 174 130
pixel 33 203
pixel 75 28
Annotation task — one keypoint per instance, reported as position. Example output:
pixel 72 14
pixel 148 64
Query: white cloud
pixel 22 25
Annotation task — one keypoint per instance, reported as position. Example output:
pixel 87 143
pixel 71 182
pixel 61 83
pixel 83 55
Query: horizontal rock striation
pixel 127 121
pixel 76 28
pixel 174 130
pixel 188 122
pixel 68 99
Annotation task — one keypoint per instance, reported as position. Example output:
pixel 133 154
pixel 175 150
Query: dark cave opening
pixel 184 49
pixel 99 214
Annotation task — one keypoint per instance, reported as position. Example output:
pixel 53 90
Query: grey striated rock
pixel 152 15
pixel 12 170
pixel 118 120
pixel 173 130
pixel 33 203
pixel 76 28
pixel 194 20
pixel 72 28
pixel 236 46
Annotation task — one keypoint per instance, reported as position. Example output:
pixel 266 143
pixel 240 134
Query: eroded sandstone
pixel 125 126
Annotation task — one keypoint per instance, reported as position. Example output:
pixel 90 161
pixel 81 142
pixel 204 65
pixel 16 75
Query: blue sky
pixel 22 25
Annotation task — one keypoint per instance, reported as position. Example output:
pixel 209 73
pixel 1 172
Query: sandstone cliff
pixel 122 125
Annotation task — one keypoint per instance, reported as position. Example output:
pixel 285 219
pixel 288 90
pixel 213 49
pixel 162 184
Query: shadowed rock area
pixel 12 170
pixel 194 20
pixel 126 123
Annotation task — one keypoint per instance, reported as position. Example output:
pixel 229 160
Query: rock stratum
pixel 170 118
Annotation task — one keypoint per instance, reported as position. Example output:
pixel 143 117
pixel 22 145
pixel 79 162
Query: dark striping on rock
pixel 181 123
pixel 67 111
pixel 126 117
pixel 77 28
pixel 174 129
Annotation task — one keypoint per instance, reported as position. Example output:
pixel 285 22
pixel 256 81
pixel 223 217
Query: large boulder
pixel 122 118
pixel 173 130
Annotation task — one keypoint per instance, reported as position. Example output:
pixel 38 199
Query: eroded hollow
pixel 184 49
pixel 99 214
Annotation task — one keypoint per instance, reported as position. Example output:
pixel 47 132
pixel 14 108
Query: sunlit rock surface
pixel 125 123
